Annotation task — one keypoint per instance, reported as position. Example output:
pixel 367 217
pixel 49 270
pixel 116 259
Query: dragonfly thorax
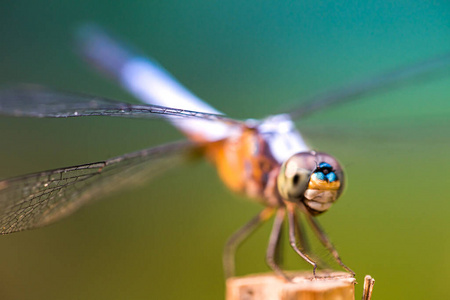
pixel 313 178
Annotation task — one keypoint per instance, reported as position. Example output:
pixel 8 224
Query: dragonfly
pixel 266 160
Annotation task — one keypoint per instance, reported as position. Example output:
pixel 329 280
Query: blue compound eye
pixel 331 177
pixel 325 171
pixel 320 175
pixel 324 165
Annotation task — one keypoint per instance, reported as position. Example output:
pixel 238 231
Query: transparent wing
pixel 35 101
pixel 359 89
pixel 41 198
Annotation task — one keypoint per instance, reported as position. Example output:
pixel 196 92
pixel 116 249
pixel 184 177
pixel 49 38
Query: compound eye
pixel 293 180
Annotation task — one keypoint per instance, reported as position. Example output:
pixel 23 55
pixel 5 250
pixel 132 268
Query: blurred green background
pixel 164 240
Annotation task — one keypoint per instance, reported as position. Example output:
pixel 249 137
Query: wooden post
pixel 325 286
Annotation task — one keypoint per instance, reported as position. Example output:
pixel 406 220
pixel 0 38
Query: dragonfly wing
pixel 39 199
pixel 359 89
pixel 147 80
pixel 36 101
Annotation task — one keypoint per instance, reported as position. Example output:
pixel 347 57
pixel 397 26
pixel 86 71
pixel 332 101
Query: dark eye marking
pixel 295 179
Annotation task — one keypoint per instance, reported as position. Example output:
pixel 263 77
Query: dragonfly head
pixel 314 178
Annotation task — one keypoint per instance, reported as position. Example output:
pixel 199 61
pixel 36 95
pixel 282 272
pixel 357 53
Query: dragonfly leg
pixel 293 237
pixel 239 236
pixel 273 249
pixel 303 242
pixel 278 254
pixel 325 240
pixel 300 234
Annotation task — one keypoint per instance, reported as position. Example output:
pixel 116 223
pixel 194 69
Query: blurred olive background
pixel 164 240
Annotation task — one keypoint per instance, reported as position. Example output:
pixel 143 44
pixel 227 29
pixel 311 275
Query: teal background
pixel 164 240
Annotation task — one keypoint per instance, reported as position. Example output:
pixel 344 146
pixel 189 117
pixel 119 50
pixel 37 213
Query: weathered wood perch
pixel 326 286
